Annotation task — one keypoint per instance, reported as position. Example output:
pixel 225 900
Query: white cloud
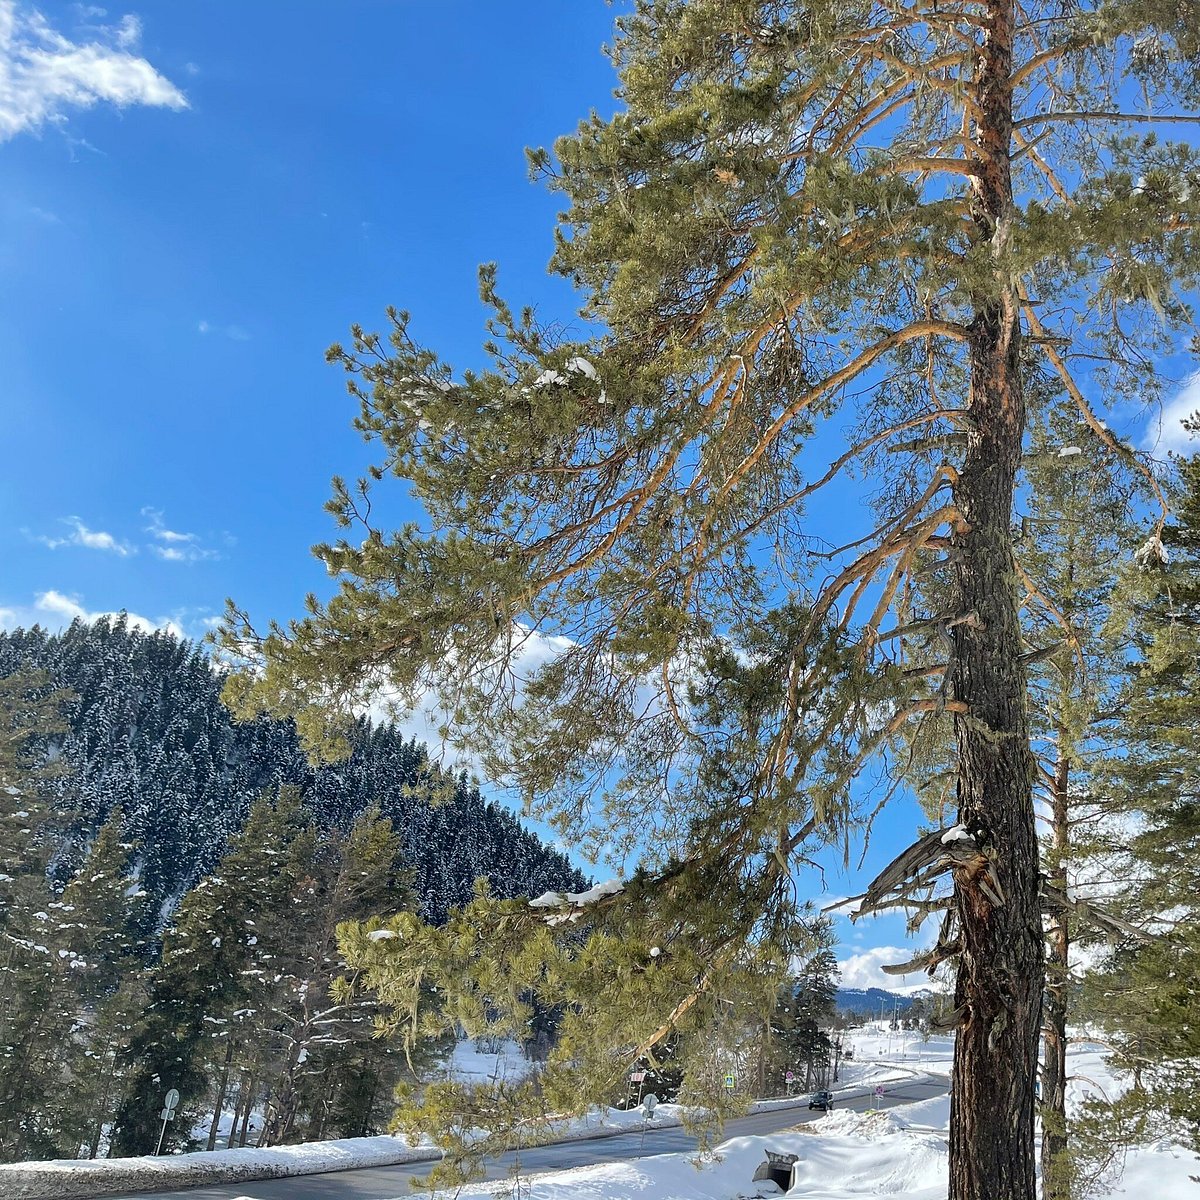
pixel 1165 431
pixel 90 539
pixel 129 32
pixel 171 545
pixel 44 74
pixel 425 720
pixel 183 554
pixel 865 970
pixel 54 610
pixel 235 333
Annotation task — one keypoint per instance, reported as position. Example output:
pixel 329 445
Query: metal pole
pixel 162 1133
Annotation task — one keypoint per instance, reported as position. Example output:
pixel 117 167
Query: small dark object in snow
pixel 779 1168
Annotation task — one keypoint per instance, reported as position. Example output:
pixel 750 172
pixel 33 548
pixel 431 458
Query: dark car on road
pixel 822 1100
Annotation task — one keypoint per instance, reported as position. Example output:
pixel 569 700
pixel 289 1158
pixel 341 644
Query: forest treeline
pixel 171 883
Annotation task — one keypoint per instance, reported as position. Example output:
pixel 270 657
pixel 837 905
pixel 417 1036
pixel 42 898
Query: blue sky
pixel 196 200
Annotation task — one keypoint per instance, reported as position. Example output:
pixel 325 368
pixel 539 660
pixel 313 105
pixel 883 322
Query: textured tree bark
pixel 243 1084
pixel 1054 1038
pixel 219 1106
pixel 245 1132
pixel 1000 972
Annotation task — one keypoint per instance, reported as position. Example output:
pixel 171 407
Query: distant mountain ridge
pixel 148 732
pixel 871 1000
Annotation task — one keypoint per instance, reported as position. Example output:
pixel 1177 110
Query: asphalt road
pixel 386 1183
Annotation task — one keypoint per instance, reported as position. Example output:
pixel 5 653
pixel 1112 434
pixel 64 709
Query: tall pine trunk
pixel 999 990
pixel 1054 1040
pixel 245 1132
pixel 218 1107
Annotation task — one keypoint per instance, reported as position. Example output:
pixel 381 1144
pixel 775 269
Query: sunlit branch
pixel 850 371
pixel 1093 422
pixel 1120 117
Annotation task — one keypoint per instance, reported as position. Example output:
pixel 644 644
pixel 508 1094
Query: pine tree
pixel 147 732
pixel 1145 995
pixel 808 222
pixel 206 970
pixel 33 1023
pixel 320 1016
pixel 1077 536
pixel 96 980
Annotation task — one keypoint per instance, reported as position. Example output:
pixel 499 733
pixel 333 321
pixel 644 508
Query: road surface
pixel 387 1183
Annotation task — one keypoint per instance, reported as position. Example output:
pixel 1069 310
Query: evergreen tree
pixel 33 1023
pixel 319 1017
pixel 796 1033
pixel 146 731
pixel 1078 534
pixel 206 971
pixel 807 222
pixel 1146 995
pixel 96 983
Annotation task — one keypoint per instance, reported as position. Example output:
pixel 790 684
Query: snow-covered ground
pixel 898 1153
pixel 506 1062
pixel 105 1176
pixel 877 1043
pixel 843 1155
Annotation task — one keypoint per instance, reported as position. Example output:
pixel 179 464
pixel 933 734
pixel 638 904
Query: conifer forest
pixel 814 550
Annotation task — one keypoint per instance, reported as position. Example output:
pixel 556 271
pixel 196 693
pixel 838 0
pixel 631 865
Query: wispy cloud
pixel 1165 431
pixel 90 539
pixel 235 333
pixel 172 545
pixel 44 74
pixel 54 609
pixel 865 970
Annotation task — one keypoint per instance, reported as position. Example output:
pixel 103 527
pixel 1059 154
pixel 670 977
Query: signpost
pixel 648 1106
pixel 789 1077
pixel 730 1082
pixel 170 1103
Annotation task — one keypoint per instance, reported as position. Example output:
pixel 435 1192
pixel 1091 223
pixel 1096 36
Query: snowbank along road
pixel 386 1183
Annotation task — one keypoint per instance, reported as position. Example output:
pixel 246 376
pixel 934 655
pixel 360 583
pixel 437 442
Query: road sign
pixel 167 1114
pixel 172 1099
pixel 637 1076
pixel 730 1082
pixel 650 1103
pixel 789 1075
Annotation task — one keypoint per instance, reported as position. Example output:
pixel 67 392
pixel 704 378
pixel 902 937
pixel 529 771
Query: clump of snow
pixel 1152 553
pixel 957 834
pixel 1069 452
pixel 381 935
pixel 581 366
pixel 610 887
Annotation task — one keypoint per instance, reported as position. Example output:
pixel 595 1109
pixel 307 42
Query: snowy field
pixel 900 1153
pixel 506 1063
